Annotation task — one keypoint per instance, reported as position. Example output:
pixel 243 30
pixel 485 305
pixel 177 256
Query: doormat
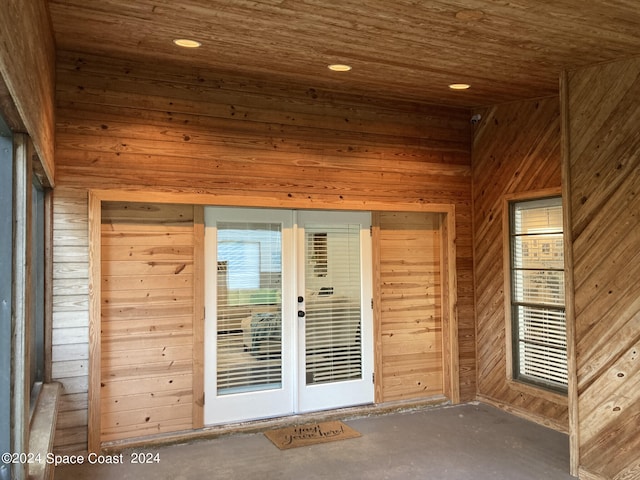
pixel 310 434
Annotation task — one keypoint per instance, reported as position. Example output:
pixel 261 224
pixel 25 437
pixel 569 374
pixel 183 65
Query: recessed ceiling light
pixel 339 67
pixel 459 86
pixel 186 43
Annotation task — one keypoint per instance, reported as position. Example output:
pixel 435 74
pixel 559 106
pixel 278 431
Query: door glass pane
pixel 333 317
pixel 249 307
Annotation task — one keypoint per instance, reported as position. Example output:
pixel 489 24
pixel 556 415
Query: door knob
pixel 301 313
pixel 300 299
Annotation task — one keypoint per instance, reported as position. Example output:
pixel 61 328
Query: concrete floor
pixel 472 441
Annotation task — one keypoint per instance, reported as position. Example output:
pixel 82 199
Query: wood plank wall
pixel 27 70
pixel 604 181
pixel 155 129
pixel 516 149
pixel 70 334
pixel 410 305
pixel 147 319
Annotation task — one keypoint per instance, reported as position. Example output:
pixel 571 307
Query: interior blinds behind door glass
pixel 333 317
pixel 249 308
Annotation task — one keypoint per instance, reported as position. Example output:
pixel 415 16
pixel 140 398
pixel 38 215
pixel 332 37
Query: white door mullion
pixel 295 306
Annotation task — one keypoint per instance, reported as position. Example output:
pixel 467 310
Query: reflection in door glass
pixel 249 307
pixel 333 320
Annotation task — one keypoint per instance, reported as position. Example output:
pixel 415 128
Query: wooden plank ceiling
pixel 399 49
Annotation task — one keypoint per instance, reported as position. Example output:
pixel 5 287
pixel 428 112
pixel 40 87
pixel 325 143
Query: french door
pixel 288 322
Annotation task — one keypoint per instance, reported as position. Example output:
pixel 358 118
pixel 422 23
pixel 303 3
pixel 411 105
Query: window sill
pixel 559 398
pixel 42 431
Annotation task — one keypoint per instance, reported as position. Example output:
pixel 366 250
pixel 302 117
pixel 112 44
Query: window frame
pixel 552 392
pixel 37 291
pixel 30 307
pixel 6 291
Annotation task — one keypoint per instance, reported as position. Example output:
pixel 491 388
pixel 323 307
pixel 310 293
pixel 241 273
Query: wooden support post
pixel 377 314
pixel 94 417
pixel 574 442
pixel 198 316
pixel 451 351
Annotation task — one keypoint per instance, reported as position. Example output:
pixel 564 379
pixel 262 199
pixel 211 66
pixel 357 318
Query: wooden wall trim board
pixel 95 362
pixel 159 196
pixel 198 317
pixel 451 347
pixel 574 430
pixel 377 307
pixel 506 265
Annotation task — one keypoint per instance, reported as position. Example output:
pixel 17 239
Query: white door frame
pixel 250 405
pixel 328 396
pixel 294 396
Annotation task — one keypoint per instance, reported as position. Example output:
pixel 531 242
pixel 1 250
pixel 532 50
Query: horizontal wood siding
pixel 604 171
pixel 134 126
pixel 147 304
pixel 206 138
pixel 70 334
pixel 516 149
pixel 410 320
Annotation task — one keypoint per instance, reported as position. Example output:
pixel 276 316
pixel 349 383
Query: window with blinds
pixel 249 307
pixel 537 293
pixel 333 317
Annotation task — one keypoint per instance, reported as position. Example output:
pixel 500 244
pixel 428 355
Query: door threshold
pixel 257 426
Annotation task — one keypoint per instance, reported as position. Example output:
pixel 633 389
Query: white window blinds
pixel 537 297
pixel 249 307
pixel 332 322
